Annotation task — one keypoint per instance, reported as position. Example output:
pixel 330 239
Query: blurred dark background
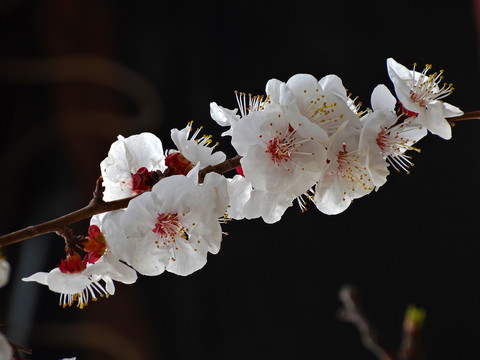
pixel 75 74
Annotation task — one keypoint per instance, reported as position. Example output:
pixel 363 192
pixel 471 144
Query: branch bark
pixel 411 347
pixel 97 206
pixel 352 312
pixel 58 224
pixel 472 115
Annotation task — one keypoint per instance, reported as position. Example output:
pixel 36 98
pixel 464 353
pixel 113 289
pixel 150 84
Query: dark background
pixel 75 74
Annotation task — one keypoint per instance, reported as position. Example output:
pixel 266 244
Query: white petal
pixel 332 84
pixel 39 277
pixel 4 272
pixel 187 259
pixel 66 283
pixel 397 70
pixel 239 190
pixel 269 206
pixel 331 197
pixel 116 270
pixel 382 99
pixel 214 193
pixel 433 119
pixel 279 93
pixel 224 117
pixel 377 168
pixel 6 351
pixel 450 110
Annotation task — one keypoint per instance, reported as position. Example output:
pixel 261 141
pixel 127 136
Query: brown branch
pixel 411 347
pixel 472 115
pixel 16 349
pixel 352 312
pixel 221 168
pixel 97 206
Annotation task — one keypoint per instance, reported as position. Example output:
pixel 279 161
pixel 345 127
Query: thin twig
pixel 352 312
pixel 221 168
pixel 472 115
pixel 411 347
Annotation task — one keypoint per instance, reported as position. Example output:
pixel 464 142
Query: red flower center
pixel 143 180
pixel 95 244
pixel 168 225
pixel 178 164
pixel 73 264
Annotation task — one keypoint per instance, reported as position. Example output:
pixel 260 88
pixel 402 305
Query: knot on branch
pixel 72 242
pixel 221 168
pixel 98 192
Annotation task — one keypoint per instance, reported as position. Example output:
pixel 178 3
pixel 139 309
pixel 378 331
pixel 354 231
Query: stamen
pixel 323 114
pixel 426 88
pixel 284 147
pixel 394 146
pixel 92 289
pixel 348 169
pixel 168 225
pixel 255 103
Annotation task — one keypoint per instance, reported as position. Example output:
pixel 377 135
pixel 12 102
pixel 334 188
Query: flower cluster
pixel 304 140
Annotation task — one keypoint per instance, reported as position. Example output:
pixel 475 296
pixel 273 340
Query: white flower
pixel 421 94
pixel 174 226
pixel 82 286
pixel 196 150
pixel 386 137
pixel 275 156
pixel 6 351
pixel 78 279
pixel 227 117
pixel 4 272
pixel 345 178
pixel 323 102
pixel 130 166
pixel 281 150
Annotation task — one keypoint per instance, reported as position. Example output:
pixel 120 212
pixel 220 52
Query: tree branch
pixel 97 206
pixel 472 115
pixel 221 168
pixel 411 347
pixel 352 312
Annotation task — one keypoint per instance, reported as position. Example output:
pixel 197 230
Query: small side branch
pixel 221 168
pixel 472 115
pixel 411 347
pixel 352 312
